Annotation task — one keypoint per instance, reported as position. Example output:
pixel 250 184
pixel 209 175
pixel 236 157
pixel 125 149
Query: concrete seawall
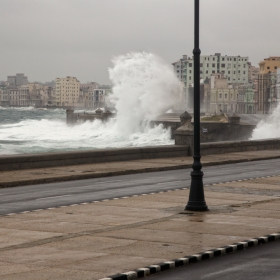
pixel 239 146
pixel 31 161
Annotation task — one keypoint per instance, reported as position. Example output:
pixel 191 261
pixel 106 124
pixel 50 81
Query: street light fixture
pixel 196 198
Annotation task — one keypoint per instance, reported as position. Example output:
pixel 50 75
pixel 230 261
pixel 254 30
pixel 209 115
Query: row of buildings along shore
pixel 63 92
pixel 231 84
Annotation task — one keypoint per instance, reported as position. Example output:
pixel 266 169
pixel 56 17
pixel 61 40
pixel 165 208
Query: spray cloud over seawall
pixel 269 128
pixel 144 86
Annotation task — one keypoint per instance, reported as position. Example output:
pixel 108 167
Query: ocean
pixel 30 130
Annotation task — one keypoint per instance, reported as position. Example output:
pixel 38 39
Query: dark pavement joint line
pixel 143 272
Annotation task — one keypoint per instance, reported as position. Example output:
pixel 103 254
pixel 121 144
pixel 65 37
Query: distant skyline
pixel 48 38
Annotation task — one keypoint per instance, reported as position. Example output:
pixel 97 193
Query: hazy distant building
pixel 267 88
pixel 278 85
pixel 67 91
pixel 18 80
pixel 253 73
pixel 96 98
pixel 4 97
pixel 89 86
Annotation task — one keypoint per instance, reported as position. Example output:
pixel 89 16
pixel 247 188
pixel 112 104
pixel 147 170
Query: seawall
pixel 31 161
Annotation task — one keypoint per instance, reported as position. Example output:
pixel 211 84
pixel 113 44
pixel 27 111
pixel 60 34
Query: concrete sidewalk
pixel 98 239
pixel 86 171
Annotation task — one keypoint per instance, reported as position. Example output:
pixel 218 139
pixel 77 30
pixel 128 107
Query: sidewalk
pixel 98 239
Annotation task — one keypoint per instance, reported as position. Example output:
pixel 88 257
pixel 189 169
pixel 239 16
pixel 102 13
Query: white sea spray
pixel 269 128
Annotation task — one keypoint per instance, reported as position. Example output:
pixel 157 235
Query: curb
pixel 152 269
pixel 123 172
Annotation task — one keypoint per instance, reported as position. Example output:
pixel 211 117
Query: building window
pixel 190 71
pixel 190 78
pixel 228 72
pixel 223 65
pixel 201 64
pixel 190 64
pixel 213 64
pixel 244 72
pixel 220 95
pixel 225 95
pixel 207 64
pixel 206 71
pixel 268 67
pixel 213 72
pixel 213 58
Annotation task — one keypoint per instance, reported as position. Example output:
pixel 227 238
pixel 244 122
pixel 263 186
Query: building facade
pixel 67 91
pixel 269 65
pixel 18 80
pixel 235 68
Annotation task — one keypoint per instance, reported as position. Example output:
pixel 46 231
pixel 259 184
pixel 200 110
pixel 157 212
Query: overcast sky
pixel 46 39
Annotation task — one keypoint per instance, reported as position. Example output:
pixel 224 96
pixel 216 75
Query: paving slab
pixel 95 240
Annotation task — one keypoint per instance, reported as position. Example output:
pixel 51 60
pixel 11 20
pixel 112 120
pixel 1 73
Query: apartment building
pixel 235 68
pixel 67 91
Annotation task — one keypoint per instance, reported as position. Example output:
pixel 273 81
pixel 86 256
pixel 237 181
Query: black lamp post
pixel 196 198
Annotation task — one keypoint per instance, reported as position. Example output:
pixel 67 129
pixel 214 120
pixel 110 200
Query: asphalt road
pixel 41 196
pixel 258 263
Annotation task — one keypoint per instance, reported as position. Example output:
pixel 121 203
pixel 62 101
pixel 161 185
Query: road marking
pixel 168 182
pixel 53 196
pixel 102 182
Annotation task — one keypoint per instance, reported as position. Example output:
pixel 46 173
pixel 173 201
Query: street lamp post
pixel 196 198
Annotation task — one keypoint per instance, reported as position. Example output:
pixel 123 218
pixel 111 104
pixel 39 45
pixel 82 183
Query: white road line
pixel 53 196
pixel 168 182
pixel 102 182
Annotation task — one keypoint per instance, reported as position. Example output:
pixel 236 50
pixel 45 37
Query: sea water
pixel 144 86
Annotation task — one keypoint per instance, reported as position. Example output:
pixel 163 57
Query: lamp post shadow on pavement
pixel 196 197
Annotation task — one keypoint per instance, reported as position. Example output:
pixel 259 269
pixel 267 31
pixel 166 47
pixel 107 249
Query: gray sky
pixel 46 39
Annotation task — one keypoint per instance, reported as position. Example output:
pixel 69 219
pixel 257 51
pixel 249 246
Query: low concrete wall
pixel 18 162
pixel 239 146
pixel 23 161
pixel 214 131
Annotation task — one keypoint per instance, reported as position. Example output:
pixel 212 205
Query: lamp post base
pixel 196 198
pixel 196 206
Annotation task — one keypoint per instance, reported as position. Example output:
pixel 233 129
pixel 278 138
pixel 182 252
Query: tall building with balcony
pixel 234 68
pixel 67 91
